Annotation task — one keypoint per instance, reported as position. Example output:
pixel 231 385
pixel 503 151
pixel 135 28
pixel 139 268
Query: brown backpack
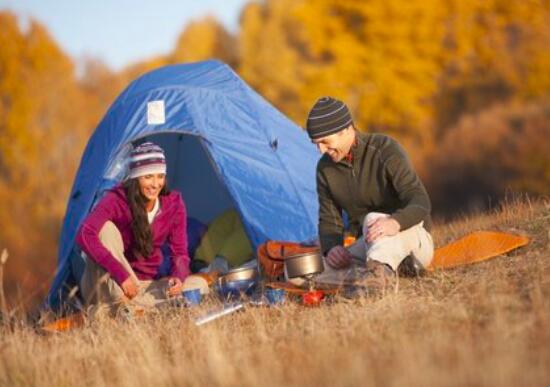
pixel 272 255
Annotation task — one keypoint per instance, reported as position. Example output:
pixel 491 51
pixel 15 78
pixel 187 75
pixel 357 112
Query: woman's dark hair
pixel 143 238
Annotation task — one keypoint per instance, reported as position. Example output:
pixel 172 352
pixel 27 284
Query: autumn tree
pixel 380 57
pixel 41 138
pixel 495 50
pixel 201 39
pixel 272 56
pixel 205 39
pixel 499 150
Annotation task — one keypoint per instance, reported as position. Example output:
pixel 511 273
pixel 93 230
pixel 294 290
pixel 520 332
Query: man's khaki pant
pixel 415 241
pixel 98 287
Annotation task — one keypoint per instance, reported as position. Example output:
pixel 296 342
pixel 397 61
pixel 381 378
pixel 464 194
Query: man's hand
pixel 130 288
pixel 174 286
pixel 381 227
pixel 338 257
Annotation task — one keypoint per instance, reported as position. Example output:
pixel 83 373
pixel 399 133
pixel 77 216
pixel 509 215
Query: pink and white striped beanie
pixel 146 159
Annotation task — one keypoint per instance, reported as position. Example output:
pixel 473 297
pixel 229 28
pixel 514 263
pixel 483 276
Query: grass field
pixel 486 324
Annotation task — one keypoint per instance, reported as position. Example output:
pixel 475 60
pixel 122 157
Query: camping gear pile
pixel 241 283
pixel 308 262
pixel 245 287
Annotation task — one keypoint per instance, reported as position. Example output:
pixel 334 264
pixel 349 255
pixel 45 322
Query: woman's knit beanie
pixel 146 159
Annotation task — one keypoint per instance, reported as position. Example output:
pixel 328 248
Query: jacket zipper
pixel 353 189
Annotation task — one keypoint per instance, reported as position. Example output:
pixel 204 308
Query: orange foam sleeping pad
pixel 476 247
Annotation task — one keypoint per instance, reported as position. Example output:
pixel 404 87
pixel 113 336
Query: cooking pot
pixel 303 265
pixel 244 273
pixel 236 289
pixel 237 282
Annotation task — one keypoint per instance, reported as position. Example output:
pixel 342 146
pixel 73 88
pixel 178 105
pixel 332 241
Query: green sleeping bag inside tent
pixel 225 237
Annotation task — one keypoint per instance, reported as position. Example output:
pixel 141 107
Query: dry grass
pixel 483 325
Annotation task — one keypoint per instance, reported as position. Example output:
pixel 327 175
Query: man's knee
pixel 370 217
pixel 374 215
pixel 424 250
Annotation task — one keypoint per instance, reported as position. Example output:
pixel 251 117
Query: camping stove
pixel 306 266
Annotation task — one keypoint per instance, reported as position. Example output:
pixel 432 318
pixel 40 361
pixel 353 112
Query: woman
pixel 123 236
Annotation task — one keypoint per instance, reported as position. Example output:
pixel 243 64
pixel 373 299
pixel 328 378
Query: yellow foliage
pixel 495 50
pixel 271 60
pixel 41 136
pixel 503 148
pixel 205 39
pixel 405 67
pixel 381 58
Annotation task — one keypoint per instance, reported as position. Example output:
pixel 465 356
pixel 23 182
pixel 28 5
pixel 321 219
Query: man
pixel 370 178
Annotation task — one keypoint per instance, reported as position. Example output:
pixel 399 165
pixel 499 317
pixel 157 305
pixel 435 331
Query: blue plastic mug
pixel 275 296
pixel 192 296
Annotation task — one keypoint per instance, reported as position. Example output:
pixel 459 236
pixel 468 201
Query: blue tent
pixel 226 147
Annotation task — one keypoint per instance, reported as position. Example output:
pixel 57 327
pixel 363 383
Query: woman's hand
pixel 130 288
pixel 174 286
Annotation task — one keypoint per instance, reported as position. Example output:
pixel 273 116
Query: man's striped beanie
pixel 327 117
pixel 146 159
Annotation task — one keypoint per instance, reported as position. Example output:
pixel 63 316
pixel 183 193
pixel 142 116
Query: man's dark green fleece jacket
pixel 380 178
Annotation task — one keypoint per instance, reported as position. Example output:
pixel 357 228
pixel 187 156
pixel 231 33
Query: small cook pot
pixel 237 282
pixel 303 265
pixel 245 273
pixel 236 289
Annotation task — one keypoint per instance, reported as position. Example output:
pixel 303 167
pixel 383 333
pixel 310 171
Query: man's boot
pixel 411 267
pixel 379 277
